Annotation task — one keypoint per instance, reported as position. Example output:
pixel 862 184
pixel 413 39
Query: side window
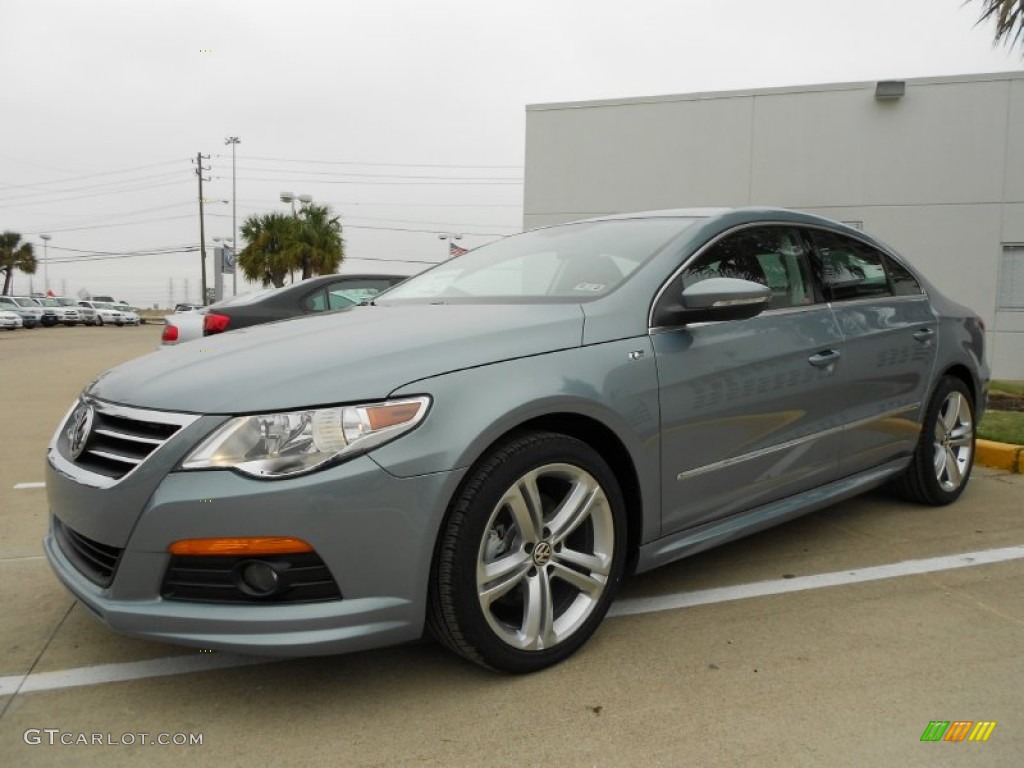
pixel 771 256
pixel 903 283
pixel 345 293
pixel 315 302
pixel 849 269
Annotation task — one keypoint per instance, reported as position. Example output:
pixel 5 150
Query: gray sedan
pixel 488 448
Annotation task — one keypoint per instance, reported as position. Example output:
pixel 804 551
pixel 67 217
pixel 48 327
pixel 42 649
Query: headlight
pixel 277 445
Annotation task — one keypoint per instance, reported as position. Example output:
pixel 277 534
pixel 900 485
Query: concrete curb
pixel 1000 456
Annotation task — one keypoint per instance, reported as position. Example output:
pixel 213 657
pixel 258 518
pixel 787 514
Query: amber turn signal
pixel 249 545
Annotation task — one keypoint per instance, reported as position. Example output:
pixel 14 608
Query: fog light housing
pixel 258 578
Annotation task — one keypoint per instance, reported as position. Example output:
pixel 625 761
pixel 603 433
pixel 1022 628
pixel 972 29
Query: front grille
pixel 97 562
pixel 304 578
pixel 121 438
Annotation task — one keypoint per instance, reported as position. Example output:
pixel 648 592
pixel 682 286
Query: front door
pixel 750 409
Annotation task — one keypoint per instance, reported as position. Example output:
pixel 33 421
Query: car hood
pixel 360 354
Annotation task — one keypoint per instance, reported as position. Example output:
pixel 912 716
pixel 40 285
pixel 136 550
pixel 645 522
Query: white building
pixel 932 166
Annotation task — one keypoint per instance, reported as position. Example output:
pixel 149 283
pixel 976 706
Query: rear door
pixel 750 410
pixel 888 349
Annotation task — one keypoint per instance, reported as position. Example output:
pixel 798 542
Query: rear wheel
pixel 530 555
pixel 944 457
pixel 99 320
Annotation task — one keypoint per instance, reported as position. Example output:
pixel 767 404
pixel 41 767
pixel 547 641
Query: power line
pixel 380 175
pixel 380 165
pixel 152 177
pixel 89 175
pixel 118 216
pixel 142 188
pixel 391 183
pixel 261 204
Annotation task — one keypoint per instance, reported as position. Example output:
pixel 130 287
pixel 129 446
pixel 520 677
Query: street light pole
pixel 233 141
pixel 46 262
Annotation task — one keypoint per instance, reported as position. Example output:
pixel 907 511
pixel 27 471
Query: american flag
pixel 454 250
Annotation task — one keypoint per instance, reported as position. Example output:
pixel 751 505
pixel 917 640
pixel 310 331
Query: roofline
pixel 777 91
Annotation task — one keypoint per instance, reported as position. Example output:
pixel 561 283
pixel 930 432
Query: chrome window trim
pixel 876 299
pixel 852 234
pixel 732 461
pixel 94 479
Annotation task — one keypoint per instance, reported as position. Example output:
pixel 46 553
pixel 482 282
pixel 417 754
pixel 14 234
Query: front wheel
pixel 944 457
pixel 530 554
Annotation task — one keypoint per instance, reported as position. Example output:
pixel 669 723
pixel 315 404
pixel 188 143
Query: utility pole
pixel 202 227
pixel 233 141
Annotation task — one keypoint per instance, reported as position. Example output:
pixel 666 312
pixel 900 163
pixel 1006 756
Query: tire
pixel 944 456
pixel 554 575
pixel 99 320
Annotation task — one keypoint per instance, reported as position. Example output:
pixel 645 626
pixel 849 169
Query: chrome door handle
pixel 824 359
pixel 924 334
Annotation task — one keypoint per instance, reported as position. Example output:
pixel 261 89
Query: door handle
pixel 924 334
pixel 824 359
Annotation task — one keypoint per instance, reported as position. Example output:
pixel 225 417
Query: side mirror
pixel 722 298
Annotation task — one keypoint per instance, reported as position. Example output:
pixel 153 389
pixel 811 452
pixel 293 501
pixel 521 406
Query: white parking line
pixel 184 664
pixel 631 607
pixel 26 486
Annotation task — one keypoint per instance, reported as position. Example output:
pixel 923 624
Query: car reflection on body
pixel 317 294
pixel 487 448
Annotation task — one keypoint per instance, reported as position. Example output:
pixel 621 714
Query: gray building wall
pixel 937 174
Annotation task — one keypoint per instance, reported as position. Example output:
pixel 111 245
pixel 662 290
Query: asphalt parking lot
pixel 833 640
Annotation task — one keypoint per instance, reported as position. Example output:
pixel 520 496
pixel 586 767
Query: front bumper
pixel 375 532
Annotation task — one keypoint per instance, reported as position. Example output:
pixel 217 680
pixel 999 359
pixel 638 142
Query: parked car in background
pixel 180 327
pixel 72 312
pixel 129 315
pixel 187 307
pixel 307 297
pixel 30 313
pixel 317 294
pixel 487 448
pixel 51 310
pixel 102 313
pixel 62 313
pixel 9 320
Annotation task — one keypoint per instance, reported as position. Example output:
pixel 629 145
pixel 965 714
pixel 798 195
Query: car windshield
pixel 572 261
pixel 67 302
pixel 25 302
pixel 104 305
pixel 49 302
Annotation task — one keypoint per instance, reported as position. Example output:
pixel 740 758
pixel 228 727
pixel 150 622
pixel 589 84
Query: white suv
pixel 101 313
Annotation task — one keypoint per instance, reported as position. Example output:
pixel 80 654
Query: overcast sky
pixel 401 114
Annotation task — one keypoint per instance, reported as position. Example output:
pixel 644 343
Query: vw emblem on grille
pixel 78 430
pixel 542 553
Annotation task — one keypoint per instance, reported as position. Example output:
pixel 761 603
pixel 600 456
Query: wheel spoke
pixel 574 509
pixel 939 461
pixel 951 411
pixel 961 441
pixel 599 564
pixel 952 468
pixel 523 501
pixel 497 578
pixel 591 585
pixel 538 613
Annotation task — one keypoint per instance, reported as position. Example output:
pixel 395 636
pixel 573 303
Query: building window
pixel 1011 278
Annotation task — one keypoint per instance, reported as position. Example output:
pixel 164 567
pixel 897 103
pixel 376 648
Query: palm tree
pixel 318 247
pixel 15 254
pixel 1009 18
pixel 268 241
